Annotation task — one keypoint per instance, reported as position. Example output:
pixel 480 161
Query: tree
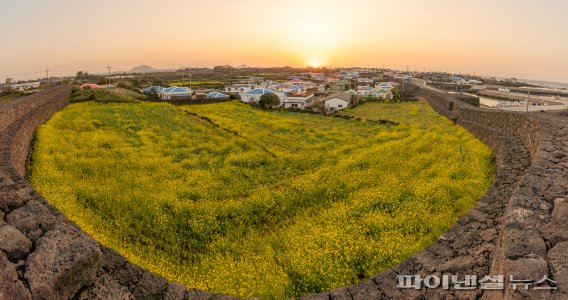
pixel 396 96
pixel 268 101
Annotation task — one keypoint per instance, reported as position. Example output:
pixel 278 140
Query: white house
pixel 25 86
pixel 365 90
pixel 317 76
pixel 253 96
pixel 364 81
pixel 299 101
pixel 384 93
pixel 240 87
pixel 337 101
pixel 294 89
pixel 175 92
pixel 270 84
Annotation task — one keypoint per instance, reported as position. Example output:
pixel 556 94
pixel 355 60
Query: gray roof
pixel 340 95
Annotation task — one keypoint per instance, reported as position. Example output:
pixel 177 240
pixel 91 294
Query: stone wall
pixel 43 254
pixel 519 227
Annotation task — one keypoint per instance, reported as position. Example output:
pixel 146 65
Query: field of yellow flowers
pixel 248 202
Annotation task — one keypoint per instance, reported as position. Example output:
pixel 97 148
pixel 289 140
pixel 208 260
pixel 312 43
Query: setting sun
pixel 314 64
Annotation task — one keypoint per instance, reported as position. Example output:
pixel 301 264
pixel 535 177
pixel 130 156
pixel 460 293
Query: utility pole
pixel 189 81
pixel 528 99
pixel 108 67
pixel 47 71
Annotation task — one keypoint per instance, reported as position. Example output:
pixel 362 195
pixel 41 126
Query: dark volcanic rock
pixel 320 296
pixel 457 264
pixel 365 290
pixel 558 261
pixel 195 294
pixel 14 243
pixel 106 288
pixel 11 200
pixel 554 192
pixel 11 288
pixel 557 230
pixel 522 243
pixel 175 291
pixel 65 261
pixel 527 268
pixel 149 286
pixel 32 219
pixel 340 294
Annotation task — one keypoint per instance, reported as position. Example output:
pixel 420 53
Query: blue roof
pixel 152 89
pixel 259 92
pixel 217 95
pixel 176 90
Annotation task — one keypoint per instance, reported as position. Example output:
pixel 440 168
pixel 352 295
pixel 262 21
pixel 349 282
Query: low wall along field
pixel 517 229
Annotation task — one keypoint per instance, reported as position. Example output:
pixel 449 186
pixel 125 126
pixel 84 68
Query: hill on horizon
pixel 146 69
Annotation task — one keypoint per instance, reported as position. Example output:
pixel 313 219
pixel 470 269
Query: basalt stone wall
pixel 519 227
pixel 11 111
pixel 533 240
pixel 43 255
pixel 468 247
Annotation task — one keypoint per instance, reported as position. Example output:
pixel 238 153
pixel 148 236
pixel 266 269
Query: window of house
pixel 340 105
pixel 294 105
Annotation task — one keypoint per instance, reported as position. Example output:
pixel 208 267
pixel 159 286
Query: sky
pixel 506 38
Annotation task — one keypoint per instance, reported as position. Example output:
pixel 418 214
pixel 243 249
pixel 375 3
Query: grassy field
pixel 255 203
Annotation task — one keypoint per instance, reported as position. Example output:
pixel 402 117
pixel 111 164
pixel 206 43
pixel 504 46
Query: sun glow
pixel 315 64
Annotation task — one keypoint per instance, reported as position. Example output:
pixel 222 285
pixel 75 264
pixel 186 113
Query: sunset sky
pixel 524 39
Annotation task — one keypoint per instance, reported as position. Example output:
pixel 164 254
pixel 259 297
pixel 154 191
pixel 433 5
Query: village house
pixel 240 87
pixel 384 94
pixel 217 95
pixel 24 86
pixel 253 96
pixel 364 81
pixel 301 101
pixel 175 92
pixel 385 85
pixel 317 76
pixel 152 90
pixel 337 101
pixel 339 86
pixel 365 90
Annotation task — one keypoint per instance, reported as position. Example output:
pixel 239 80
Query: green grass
pixel 257 203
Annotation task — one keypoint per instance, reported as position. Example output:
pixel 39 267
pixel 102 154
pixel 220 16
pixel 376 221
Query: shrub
pixel 269 101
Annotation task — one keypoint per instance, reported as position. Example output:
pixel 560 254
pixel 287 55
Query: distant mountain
pixel 146 69
pixel 243 67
